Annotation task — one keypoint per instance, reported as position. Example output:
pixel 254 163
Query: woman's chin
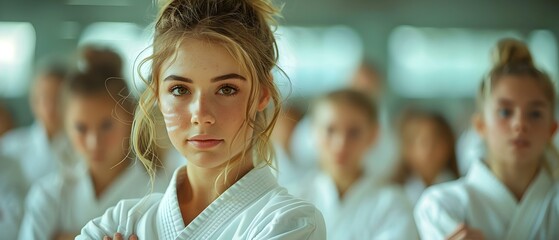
pixel 206 160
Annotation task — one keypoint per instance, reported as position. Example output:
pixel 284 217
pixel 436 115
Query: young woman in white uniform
pixel 428 153
pixel 511 194
pixel 355 205
pixel 98 121
pixel 213 84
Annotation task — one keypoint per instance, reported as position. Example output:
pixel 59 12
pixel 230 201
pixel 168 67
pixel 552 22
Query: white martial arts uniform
pixel 255 207
pixel 11 198
pixel 369 210
pixel 37 156
pixel 415 186
pixel 61 204
pixel 482 202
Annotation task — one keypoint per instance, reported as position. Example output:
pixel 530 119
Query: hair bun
pixel 511 52
pixel 190 12
pixel 265 9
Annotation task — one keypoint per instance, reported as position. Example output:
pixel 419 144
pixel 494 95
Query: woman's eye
pixel 179 91
pixel 535 114
pixel 330 131
pixel 107 125
pixel 504 112
pixel 81 128
pixel 227 90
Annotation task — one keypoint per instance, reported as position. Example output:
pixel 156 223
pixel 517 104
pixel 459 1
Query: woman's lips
pixel 204 142
pixel 520 143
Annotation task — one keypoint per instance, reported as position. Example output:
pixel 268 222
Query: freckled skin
pixel 203 106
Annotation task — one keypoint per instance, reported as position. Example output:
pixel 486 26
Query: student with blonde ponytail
pixel 212 83
pixel 511 193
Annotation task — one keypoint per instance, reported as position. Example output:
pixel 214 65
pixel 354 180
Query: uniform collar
pixel 229 204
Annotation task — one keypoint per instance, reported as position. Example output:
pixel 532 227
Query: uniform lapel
pixel 529 210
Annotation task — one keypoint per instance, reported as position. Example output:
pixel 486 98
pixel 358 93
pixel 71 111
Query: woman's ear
pixel 264 99
pixel 553 128
pixel 479 124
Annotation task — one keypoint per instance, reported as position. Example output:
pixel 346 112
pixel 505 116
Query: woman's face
pixel 204 96
pixel 427 147
pixel 97 130
pixel 518 122
pixel 344 135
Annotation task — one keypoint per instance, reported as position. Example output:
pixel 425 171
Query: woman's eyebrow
pixel 215 79
pixel 178 78
pixel 228 76
pixel 538 103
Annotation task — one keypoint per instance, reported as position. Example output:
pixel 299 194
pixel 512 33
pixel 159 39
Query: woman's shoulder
pixel 448 198
pixel 278 199
pixel 123 218
pixel 50 185
pixel 279 210
pixel 448 191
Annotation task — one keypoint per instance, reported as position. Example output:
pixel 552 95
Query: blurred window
pixel 17 49
pixel 317 59
pixel 431 62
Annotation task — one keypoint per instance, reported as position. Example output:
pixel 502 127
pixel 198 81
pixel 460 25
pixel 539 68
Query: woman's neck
pixel 50 133
pixel 515 176
pixel 210 183
pixel 345 180
pixel 203 185
pixel 429 177
pixel 103 178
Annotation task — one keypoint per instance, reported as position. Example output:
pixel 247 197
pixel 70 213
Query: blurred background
pixel 429 54
pixel 421 61
pixel 433 52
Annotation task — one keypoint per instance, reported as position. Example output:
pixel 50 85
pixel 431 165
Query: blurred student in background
pixel 98 118
pixel 107 60
pixel 368 80
pixel 512 193
pixel 354 205
pixel 427 152
pixel 41 148
pixel 288 169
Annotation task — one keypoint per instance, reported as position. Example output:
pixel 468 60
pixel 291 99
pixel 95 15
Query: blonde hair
pixel 512 57
pixel 242 27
